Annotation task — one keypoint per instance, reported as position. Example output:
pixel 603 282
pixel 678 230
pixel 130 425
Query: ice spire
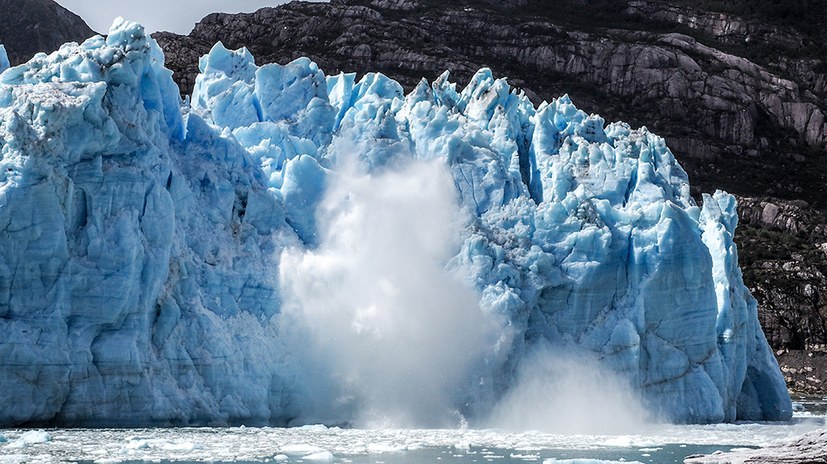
pixel 4 58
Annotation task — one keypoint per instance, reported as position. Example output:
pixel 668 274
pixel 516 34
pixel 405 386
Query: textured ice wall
pixel 135 277
pixel 141 242
pixel 4 58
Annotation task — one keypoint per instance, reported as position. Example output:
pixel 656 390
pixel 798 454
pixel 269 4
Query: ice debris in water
pixel 139 279
pixel 31 437
pixel 586 461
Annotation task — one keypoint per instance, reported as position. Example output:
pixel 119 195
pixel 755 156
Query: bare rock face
pixel 811 449
pixel 31 26
pixel 805 371
pixel 783 247
pixel 727 28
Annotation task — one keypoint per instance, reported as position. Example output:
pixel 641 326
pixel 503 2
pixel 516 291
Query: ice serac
pixel 134 289
pixel 4 59
pixel 141 238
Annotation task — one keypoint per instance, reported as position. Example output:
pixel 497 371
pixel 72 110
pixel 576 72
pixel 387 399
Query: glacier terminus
pixel 287 248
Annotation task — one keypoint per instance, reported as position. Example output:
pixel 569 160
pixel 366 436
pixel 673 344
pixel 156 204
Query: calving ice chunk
pixel 295 248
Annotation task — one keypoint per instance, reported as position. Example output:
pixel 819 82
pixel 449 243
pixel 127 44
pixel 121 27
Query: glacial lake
pixel 657 443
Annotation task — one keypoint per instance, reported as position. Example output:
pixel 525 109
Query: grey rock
pixel 810 448
pixel 724 27
pixel 31 26
pixel 785 267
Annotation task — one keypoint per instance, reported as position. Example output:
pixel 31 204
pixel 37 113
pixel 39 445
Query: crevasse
pixel 141 238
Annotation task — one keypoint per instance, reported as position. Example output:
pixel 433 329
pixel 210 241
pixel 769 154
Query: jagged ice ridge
pixel 142 238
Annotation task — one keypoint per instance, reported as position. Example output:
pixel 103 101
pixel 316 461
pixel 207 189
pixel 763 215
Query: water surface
pixel 314 444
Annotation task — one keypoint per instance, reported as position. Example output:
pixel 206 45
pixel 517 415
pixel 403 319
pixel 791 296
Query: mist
pixel 386 337
pixel 383 336
pixel 568 392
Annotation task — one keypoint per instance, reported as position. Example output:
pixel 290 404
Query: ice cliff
pixel 141 277
pixel 4 59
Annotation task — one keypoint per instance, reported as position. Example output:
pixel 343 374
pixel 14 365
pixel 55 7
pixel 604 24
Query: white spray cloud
pixel 566 392
pixel 387 337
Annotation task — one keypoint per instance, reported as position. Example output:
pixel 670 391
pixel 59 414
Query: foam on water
pixel 666 443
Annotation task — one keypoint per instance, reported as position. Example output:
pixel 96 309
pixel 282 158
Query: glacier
pixel 4 59
pixel 145 240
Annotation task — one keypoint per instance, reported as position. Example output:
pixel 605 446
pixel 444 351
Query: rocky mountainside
pixel 783 247
pixel 31 26
pixel 737 88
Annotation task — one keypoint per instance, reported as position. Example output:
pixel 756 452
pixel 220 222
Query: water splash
pixel 388 336
pixel 565 392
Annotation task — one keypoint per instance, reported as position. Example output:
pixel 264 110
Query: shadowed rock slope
pixel 31 26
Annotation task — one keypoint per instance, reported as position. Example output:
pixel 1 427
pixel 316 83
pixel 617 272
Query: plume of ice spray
pixel 566 392
pixel 387 336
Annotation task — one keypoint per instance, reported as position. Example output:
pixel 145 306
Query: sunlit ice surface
pixel 661 443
